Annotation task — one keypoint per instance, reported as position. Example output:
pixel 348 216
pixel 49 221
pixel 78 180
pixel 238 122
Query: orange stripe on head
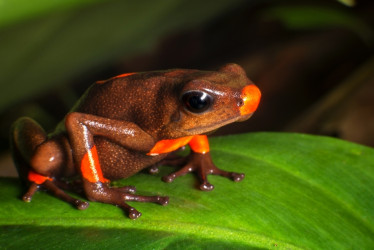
pixel 251 96
pixel 37 178
pixel 90 167
pixel 199 144
pixel 167 146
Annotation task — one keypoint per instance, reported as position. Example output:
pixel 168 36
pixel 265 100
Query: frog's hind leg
pixel 25 136
pixel 32 153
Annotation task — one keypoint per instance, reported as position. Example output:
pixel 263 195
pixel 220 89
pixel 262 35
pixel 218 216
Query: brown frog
pixel 128 123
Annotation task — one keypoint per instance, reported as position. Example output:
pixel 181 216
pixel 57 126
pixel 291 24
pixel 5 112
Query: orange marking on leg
pixel 90 167
pixel 199 144
pixel 37 178
pixel 251 96
pixel 167 146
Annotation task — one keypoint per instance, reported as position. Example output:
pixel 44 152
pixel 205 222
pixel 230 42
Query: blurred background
pixel 313 60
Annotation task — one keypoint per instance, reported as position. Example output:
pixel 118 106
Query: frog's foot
pixel 50 186
pixel 101 192
pixel 203 165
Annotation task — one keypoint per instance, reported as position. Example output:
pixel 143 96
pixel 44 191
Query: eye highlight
pixel 197 101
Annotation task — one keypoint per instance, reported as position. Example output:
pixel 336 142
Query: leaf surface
pixel 300 192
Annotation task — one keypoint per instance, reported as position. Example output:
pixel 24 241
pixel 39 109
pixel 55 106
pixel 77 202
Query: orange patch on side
pixel 123 75
pixel 90 167
pixel 119 76
pixel 199 144
pixel 167 146
pixel 37 178
pixel 251 96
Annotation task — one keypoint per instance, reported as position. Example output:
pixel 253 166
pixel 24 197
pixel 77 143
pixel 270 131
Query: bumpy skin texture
pixel 131 122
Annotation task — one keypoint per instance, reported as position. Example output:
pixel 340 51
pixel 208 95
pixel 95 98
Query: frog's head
pixel 213 99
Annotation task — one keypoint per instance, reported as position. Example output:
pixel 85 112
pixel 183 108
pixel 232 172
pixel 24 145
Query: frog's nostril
pixel 251 96
pixel 240 102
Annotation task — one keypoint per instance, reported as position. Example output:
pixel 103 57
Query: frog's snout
pixel 250 96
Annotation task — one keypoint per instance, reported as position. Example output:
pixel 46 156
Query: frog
pixel 130 123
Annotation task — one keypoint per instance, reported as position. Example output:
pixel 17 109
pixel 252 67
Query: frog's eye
pixel 197 101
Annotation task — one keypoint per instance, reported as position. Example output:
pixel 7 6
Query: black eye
pixel 197 101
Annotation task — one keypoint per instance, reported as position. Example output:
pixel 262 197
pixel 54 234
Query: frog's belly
pixel 118 162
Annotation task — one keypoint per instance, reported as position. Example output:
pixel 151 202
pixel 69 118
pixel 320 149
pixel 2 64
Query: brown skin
pixel 123 118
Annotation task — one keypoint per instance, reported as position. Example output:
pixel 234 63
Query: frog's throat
pixel 209 128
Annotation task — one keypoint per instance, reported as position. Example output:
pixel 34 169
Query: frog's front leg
pixel 81 129
pixel 200 162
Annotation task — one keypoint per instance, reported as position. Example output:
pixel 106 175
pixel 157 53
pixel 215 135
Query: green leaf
pixel 300 192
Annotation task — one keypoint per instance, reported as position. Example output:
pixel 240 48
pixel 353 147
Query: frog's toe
pixel 153 169
pixel 203 166
pixel 27 197
pixel 169 178
pixel 206 186
pixel 133 213
pixel 57 192
pixel 51 187
pixel 188 168
pixel 237 176
pixel 163 200
pixel 81 205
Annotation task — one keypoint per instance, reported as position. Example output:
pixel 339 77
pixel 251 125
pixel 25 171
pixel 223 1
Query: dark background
pixel 312 60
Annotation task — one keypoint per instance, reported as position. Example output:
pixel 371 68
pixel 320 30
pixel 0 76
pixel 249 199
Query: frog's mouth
pixel 215 126
pixel 245 117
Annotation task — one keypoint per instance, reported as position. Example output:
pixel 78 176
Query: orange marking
pixel 199 144
pixel 167 146
pixel 90 167
pixel 251 96
pixel 37 178
pixel 119 76
pixel 123 75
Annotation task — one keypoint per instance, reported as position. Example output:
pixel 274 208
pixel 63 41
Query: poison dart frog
pixel 132 122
